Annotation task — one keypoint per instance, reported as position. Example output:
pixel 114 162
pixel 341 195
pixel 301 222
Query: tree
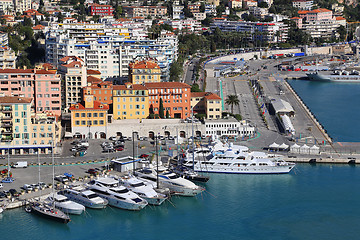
pixel 151 110
pixel 161 109
pixel 202 7
pixel 175 71
pixel 342 31
pixel 263 5
pixel 167 113
pixel 195 88
pixel 232 100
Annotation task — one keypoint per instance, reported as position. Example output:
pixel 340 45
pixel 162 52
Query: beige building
pixel 145 71
pixel 206 103
pixel 22 5
pixel 24 132
pixel 7 57
pixel 74 75
pixel 144 11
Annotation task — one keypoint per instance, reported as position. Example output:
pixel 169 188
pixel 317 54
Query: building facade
pixel 229 127
pixel 144 71
pixel 24 132
pixel 175 96
pixel 144 11
pixel 6 7
pixel 41 85
pixel 303 4
pixel 206 103
pixel 7 57
pixel 101 10
pixel 130 101
pixel 102 92
pixel 89 118
pixel 22 5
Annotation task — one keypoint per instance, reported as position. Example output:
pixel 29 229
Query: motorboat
pixel 118 196
pixel 229 158
pixel 47 211
pixel 144 190
pixel 87 198
pixel 177 185
pixel 189 174
pixel 63 203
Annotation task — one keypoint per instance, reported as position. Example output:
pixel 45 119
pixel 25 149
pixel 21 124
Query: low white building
pixel 229 127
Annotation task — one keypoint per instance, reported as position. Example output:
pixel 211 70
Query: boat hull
pixel 249 170
pixel 73 211
pixel 333 78
pixel 88 204
pixel 51 216
pixel 123 204
pixel 155 201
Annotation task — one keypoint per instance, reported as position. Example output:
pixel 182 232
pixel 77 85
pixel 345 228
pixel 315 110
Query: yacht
pixel 86 197
pixel 63 203
pixel 47 211
pixel 145 191
pixel 229 158
pixel 117 195
pixel 176 184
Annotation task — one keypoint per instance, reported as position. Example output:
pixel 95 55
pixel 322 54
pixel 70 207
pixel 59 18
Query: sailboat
pixel 44 210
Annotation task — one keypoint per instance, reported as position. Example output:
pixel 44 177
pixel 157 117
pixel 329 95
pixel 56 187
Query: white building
pixel 303 4
pixel 228 128
pixel 177 10
pixel 6 7
pixel 22 5
pixel 109 48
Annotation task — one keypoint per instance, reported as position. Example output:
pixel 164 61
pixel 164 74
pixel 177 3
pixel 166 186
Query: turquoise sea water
pixel 313 202
pixel 335 105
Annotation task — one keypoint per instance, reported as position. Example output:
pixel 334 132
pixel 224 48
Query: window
pixel 101 114
pixel 77 122
pixel 89 115
pixel 137 106
pixel 95 122
pixel 89 123
pixel 83 115
pixel 83 122
pixel 101 122
pixel 95 114
pixel 124 113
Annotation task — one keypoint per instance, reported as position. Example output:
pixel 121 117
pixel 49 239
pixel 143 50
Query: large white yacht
pixel 117 195
pixel 145 191
pixel 86 197
pixel 229 158
pixel 63 203
pixel 177 185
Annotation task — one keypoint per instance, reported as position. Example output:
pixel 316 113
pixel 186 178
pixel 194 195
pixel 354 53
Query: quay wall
pixel 309 113
pixel 323 160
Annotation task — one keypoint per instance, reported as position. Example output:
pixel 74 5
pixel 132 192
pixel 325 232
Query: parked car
pixel 68 175
pixel 14 193
pixel 28 187
pixel 4 171
pixel 113 138
pixel 108 150
pixel 61 178
pixel 141 138
pixel 118 149
pixel 92 171
pixel 73 149
pixel 3 195
pixel 143 156
pixel 75 142
pixel 119 145
pixel 7 180
pixel 42 185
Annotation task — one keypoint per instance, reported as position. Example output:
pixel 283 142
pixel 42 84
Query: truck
pixel 22 164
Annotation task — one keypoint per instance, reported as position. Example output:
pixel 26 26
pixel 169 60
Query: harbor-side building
pixel 89 118
pixel 145 71
pixel 175 96
pixel 130 101
pixel 228 127
pixel 43 86
pixel 24 132
pixel 206 103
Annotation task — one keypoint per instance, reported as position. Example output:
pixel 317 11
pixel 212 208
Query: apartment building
pixel 42 85
pixel 6 7
pixel 235 4
pixel 268 31
pixel 101 10
pixel 74 76
pixel 303 4
pixel 206 103
pixel 175 97
pixel 109 48
pixel 130 101
pixel 7 57
pixel 102 91
pixel 89 118
pixel 24 132
pixel 188 24
pixel 194 8
pixel 144 71
pixel 177 10
pixel 144 11
pixel 22 5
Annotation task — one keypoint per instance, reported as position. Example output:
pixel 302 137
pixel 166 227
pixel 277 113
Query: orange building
pixel 175 95
pixel 102 92
pixel 144 72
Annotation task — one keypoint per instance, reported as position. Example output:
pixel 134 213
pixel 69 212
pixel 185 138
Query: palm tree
pixel 232 100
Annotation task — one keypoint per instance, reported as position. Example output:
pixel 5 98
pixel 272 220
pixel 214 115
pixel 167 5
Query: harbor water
pixel 312 202
pixel 335 105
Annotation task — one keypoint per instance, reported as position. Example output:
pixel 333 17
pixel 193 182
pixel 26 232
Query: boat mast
pixel 53 169
pixel 38 158
pixel 193 139
pixel 8 158
pixel 157 163
pixel 133 142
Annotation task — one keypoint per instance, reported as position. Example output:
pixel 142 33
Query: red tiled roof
pixel 41 71
pixel 8 99
pixel 303 12
pixel 340 18
pixel 93 72
pixel 91 79
pixel 212 96
pixel 207 95
pixel 38 27
pixel 319 10
pixel 133 87
pixel 72 64
pixel 97 106
pixel 295 18
pixel 143 64
pixel 67 58
pixel 166 85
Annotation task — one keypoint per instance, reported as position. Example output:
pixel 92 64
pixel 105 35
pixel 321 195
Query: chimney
pixel 24 67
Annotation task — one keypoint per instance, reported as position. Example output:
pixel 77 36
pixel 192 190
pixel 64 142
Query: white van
pixel 22 164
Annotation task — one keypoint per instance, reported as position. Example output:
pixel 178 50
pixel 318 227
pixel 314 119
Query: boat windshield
pixel 138 184
pixel 92 196
pixel 173 176
pixel 124 190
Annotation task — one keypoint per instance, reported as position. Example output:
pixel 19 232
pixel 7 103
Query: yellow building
pixel 130 101
pixel 89 119
pixel 24 132
pixel 145 71
pixel 206 103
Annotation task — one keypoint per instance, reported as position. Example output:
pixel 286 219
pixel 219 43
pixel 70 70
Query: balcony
pixel 6 124
pixel 6 139
pixel 7 118
pixel 6 109
pixel 6 132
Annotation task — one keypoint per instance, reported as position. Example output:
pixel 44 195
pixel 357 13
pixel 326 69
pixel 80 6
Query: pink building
pixel 44 86
pixel 298 21
pixel 319 14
